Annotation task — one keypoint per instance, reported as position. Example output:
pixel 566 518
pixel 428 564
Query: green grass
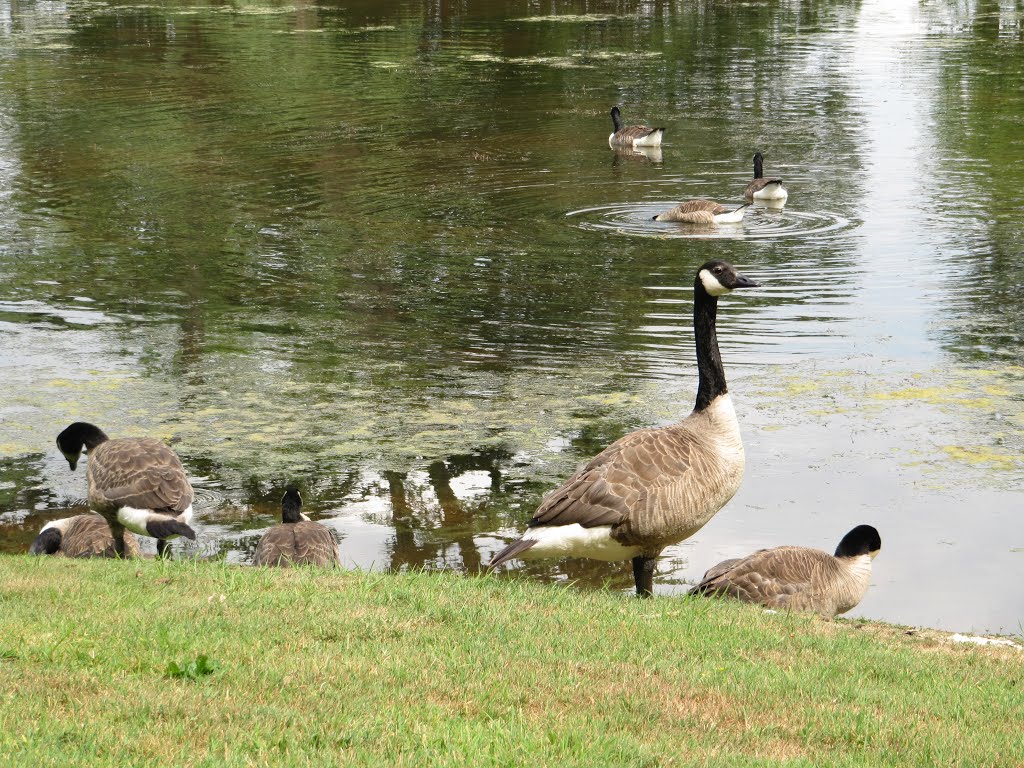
pixel 143 663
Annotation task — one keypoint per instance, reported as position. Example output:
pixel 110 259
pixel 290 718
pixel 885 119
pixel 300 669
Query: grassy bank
pixel 103 663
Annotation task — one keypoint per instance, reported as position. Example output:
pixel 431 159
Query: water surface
pixel 383 251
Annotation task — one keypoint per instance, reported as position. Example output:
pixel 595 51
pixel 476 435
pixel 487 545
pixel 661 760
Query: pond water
pixel 383 251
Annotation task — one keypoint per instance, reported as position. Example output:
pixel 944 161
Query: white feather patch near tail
pixel 134 519
pixel 732 217
pixel 575 541
pixel 653 139
pixel 773 191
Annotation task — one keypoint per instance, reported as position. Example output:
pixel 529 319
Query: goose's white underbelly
pixel 576 541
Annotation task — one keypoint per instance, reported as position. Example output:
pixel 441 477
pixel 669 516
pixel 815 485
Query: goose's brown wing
pixel 780 577
pixel 304 543
pixel 693 212
pixel 620 483
pixel 138 472
pixel 758 184
pixel 630 133
pixel 718 570
pixel 89 536
pixel 690 206
pixel 691 217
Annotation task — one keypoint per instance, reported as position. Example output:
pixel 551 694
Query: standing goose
pixel 703 212
pixel 765 189
pixel 81 536
pixel 633 135
pixel 297 540
pixel 653 487
pixel 136 483
pixel 799 578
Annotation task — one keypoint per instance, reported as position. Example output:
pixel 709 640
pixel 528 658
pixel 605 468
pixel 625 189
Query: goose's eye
pixel 718 270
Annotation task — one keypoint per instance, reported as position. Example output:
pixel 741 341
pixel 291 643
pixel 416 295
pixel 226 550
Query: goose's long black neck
pixel 709 360
pixel 758 168
pixel 616 119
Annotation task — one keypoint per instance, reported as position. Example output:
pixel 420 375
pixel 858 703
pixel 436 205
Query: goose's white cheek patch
pixel 711 284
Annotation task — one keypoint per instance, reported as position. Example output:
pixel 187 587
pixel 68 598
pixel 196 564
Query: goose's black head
pixel 291 506
pixel 717 278
pixel 75 437
pixel 862 540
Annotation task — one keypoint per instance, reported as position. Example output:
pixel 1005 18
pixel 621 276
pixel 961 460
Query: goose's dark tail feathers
pixel 514 549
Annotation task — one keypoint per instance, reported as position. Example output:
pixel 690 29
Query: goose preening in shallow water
pixel 81 536
pixel 136 483
pixel 703 212
pixel 297 540
pixel 633 135
pixel 799 578
pixel 764 189
pixel 653 487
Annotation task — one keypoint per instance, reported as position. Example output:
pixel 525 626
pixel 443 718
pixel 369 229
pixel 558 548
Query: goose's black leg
pixel 117 533
pixel 643 575
pixel 161 547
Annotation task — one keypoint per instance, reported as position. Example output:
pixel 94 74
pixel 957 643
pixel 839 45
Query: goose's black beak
pixel 744 282
pixel 73 464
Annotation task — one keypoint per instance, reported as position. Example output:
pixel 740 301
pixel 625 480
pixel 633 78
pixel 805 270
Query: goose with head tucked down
pixel 135 483
pixel 765 189
pixel 81 536
pixel 706 212
pixel 799 578
pixel 297 540
pixel 653 487
pixel 633 135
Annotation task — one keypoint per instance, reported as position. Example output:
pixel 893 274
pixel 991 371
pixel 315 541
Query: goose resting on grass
pixel 297 540
pixel 80 536
pixel 799 578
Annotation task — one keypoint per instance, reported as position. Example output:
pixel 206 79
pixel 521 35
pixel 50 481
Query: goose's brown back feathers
pixel 757 185
pixel 654 486
pixel 302 543
pixel 137 472
pixel 794 578
pixel 693 212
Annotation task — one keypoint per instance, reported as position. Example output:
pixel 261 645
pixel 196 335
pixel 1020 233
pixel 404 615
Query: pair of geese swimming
pixel 768 190
pixel 649 490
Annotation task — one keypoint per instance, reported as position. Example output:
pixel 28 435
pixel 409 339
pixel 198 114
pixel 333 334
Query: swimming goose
pixel 80 536
pixel 633 135
pixel 703 212
pixel 653 487
pixel 799 578
pixel 136 483
pixel 297 540
pixel 764 189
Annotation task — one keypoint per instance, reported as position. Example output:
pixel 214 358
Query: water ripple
pixel 759 224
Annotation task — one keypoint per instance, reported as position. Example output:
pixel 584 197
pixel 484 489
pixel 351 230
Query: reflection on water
pixel 384 252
